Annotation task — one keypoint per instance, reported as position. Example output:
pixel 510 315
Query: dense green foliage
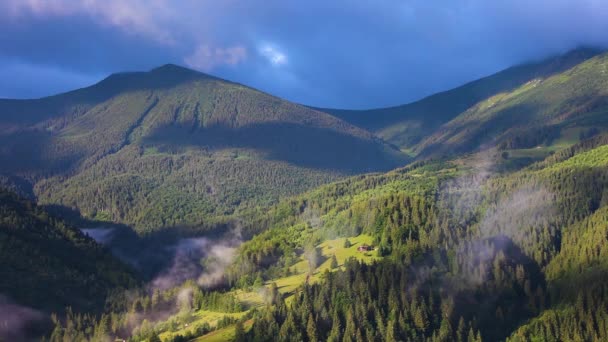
pixel 391 302
pixel 506 242
pixel 48 264
pixel 347 208
pixel 142 314
pixel 473 259
pixel 469 255
pixel 577 276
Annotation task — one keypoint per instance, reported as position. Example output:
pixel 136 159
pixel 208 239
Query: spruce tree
pixel 311 329
pixel 239 331
pixel 334 262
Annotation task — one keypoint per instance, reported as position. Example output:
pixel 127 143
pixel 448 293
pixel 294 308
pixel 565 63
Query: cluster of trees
pixel 530 138
pixel 155 190
pixel 501 250
pixel 467 256
pixel 379 205
pixel 585 319
pixel 578 278
pixel 48 264
pixel 141 314
pixel 391 301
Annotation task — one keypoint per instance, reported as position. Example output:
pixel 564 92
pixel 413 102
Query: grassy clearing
pixel 198 319
pixel 288 285
pixel 537 153
pixel 224 334
pixel 568 137
pixel 249 300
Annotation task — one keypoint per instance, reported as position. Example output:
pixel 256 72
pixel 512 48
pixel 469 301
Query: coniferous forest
pixel 172 205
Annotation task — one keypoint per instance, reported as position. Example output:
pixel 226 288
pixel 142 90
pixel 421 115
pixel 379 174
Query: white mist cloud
pixel 185 264
pixel 206 58
pixel 100 235
pixel 525 208
pixel 219 257
pixel 200 259
pixel 273 55
pixel 15 319
pixel 517 213
pixel 463 195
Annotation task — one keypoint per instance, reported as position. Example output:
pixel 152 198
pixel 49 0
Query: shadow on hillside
pixel 576 286
pixel 468 136
pixel 149 254
pixel 296 144
pixel 507 294
pixel 520 126
pixel 30 152
pixel 444 106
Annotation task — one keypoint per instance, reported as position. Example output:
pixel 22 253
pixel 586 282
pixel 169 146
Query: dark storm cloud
pixel 343 53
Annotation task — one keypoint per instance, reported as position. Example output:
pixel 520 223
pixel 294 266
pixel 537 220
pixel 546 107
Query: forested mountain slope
pixel 49 265
pixel 463 250
pixel 544 112
pixel 407 125
pixel 502 238
pixel 173 146
pixel 470 254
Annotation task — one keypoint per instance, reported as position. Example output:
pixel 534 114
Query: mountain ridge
pixel 473 241
pixel 146 127
pixel 405 125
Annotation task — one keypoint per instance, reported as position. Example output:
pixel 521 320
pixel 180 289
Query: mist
pixel 17 322
pixel 202 259
pixel 496 222
pixel 100 235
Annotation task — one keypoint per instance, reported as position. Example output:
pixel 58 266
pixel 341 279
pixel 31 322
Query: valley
pixel 171 205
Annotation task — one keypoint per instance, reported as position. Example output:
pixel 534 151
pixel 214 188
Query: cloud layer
pixel 343 53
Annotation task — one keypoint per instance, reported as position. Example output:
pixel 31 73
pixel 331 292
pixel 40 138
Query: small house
pixel 365 248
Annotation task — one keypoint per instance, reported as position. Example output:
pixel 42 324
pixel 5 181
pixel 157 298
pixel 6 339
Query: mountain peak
pixel 174 68
pixel 164 76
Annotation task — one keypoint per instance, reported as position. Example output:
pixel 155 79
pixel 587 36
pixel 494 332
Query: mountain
pixel 456 250
pixel 462 252
pixel 173 146
pixel 408 125
pixel 503 238
pixel 545 113
pixel 49 265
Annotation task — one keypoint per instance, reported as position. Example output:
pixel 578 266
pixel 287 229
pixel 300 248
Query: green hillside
pixel 460 252
pixel 47 264
pixel 545 112
pixel 407 125
pixel 472 260
pixel 173 146
pixel 497 233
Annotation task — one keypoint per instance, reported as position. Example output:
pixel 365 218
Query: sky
pixel 339 53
